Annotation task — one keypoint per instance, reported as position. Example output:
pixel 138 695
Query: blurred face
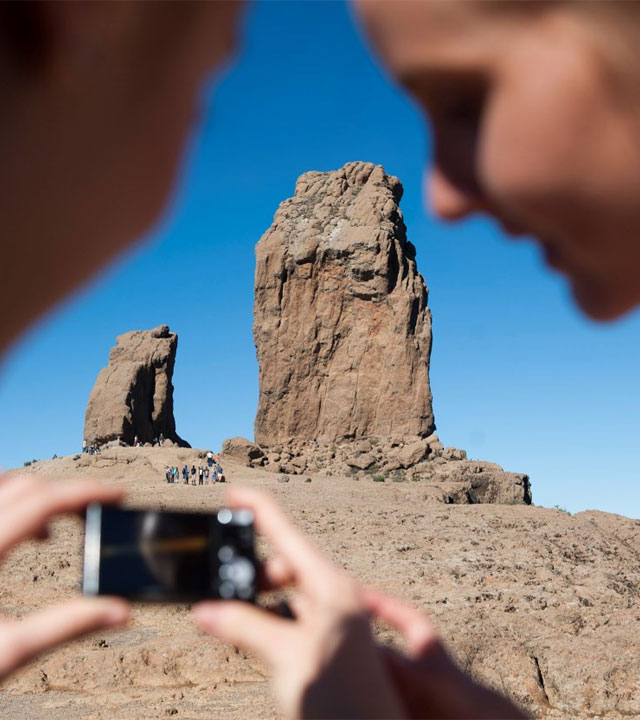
pixel 533 125
pixel 98 102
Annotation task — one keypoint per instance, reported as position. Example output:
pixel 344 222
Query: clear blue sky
pixel 518 376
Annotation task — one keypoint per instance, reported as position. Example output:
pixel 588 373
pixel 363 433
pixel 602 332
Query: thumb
pixel 22 640
pixel 244 625
pixel 413 625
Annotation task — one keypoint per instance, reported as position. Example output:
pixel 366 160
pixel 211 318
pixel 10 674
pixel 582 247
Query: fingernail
pixel 117 613
pixel 206 615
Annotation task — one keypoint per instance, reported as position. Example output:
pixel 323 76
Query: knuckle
pixel 35 488
pixel 343 596
pixel 10 650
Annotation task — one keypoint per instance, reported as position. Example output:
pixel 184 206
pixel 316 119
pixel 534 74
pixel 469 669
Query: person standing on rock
pixel 536 121
pixel 209 458
pixel 117 88
pixel 84 445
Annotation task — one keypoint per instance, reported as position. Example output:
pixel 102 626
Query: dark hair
pixel 23 37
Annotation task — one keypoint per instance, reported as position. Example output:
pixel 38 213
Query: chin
pixel 601 301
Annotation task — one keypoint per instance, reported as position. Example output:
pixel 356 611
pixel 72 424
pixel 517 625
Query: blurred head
pixel 97 102
pixel 535 110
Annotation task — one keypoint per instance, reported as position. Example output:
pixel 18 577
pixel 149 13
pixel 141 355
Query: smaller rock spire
pixel 133 395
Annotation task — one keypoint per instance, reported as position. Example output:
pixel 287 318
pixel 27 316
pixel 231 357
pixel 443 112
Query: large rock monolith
pixel 343 338
pixel 133 395
pixel 341 323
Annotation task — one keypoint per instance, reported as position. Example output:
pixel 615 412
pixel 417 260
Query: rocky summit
pixel 133 395
pixel 343 337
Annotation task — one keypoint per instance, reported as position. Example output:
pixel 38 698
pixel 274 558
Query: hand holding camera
pixel 325 661
pixel 27 504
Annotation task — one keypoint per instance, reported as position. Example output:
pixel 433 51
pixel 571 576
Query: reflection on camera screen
pixel 175 556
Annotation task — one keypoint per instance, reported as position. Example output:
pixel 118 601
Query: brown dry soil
pixel 540 604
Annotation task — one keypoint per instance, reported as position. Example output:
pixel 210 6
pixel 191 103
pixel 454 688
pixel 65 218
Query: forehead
pixel 414 35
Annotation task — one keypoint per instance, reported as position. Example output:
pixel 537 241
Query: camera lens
pixel 226 553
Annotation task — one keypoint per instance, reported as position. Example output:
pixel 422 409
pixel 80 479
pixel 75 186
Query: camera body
pixel 170 556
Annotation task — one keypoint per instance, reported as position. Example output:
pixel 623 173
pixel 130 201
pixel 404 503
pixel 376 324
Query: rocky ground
pixel 538 603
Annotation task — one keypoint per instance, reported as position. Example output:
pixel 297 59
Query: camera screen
pixel 156 555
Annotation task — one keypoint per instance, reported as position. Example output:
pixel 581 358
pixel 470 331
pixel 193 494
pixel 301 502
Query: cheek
pixel 558 155
pixel 533 154
pixel 543 127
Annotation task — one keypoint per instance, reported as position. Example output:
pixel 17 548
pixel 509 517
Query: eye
pixel 462 108
pixel 451 98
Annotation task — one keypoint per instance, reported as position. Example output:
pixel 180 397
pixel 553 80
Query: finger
pixel 282 609
pixel 308 564
pixel 437 688
pixel 276 574
pixel 414 626
pixel 246 626
pixel 15 486
pixel 24 517
pixel 22 640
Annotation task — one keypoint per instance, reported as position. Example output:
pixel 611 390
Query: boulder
pixel 412 453
pixel 362 461
pixel 241 450
pixel 133 395
pixel 451 453
pixel 472 482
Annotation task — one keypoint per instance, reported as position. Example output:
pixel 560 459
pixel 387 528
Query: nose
pixel 451 200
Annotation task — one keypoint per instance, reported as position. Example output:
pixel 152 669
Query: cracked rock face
pixel 341 323
pixel 133 395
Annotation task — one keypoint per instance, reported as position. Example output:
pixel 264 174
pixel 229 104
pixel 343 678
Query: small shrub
pixel 378 477
pixel 308 480
pixel 561 509
pixel 27 463
pixel 416 477
pixel 399 476
pixel 373 441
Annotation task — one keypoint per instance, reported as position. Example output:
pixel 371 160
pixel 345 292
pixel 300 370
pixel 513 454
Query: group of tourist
pixel 94 447
pixel 90 449
pixel 156 442
pixel 211 472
